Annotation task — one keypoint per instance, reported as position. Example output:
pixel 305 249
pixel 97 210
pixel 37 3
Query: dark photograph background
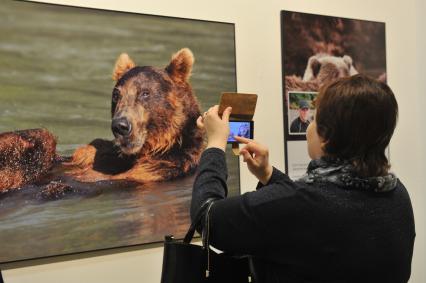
pixel 305 35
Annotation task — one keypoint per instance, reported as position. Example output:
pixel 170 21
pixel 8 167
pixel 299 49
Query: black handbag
pixel 184 262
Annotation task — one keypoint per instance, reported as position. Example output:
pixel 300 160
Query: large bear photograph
pixel 98 139
pixel 317 50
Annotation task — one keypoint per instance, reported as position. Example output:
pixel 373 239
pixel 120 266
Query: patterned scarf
pixel 342 173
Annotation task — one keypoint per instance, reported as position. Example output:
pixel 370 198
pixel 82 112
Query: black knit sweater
pixel 298 232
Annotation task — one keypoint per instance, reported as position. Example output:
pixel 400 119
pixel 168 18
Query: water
pixel 55 72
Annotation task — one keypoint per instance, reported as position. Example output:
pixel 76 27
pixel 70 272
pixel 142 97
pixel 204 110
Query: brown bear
pixel 321 69
pixel 25 156
pixel 325 68
pixel 154 113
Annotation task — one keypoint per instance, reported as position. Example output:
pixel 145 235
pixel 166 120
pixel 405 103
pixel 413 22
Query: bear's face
pixel 147 104
pixel 326 68
pixel 244 131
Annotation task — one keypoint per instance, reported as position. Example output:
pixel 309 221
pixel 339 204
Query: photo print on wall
pixel 88 162
pixel 301 111
pixel 317 50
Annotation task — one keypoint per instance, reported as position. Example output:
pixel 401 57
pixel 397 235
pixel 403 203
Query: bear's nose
pixel 121 126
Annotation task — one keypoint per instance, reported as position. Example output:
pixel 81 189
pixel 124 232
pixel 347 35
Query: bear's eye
pixel 143 94
pixel 115 95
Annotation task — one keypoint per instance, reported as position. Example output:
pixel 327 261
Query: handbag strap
pixel 204 210
pixel 206 231
pixel 206 236
pixel 197 219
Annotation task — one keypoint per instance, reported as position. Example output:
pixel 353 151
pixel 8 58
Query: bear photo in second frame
pixel 318 49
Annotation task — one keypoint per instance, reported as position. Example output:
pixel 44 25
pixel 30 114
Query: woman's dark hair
pixel 356 117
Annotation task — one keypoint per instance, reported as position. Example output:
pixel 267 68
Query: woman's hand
pixel 257 158
pixel 217 128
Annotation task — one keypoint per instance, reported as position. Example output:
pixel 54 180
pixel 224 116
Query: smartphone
pixel 240 128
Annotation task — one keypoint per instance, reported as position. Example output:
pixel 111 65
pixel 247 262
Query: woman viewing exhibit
pixel 347 220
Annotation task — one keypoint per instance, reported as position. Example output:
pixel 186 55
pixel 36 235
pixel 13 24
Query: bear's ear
pixel 348 60
pixel 180 66
pixel 123 64
pixel 312 68
pixel 316 66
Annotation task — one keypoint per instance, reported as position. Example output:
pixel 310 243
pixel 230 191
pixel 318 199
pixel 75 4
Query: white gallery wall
pixel 258 49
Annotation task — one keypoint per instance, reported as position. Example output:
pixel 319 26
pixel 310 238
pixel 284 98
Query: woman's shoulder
pixel 401 195
pixel 284 194
pixel 287 194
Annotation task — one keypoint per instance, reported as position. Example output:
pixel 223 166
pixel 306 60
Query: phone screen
pixel 240 128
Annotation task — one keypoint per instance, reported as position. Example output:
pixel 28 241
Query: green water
pixel 56 64
pixel 55 72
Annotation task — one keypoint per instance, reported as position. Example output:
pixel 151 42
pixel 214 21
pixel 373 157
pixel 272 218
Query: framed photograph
pixel 316 50
pixel 119 94
pixel 301 111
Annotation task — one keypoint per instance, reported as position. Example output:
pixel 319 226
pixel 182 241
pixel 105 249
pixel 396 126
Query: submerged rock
pixel 54 190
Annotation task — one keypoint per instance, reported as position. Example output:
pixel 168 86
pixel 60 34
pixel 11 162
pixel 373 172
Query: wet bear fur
pixel 159 139
pixel 25 157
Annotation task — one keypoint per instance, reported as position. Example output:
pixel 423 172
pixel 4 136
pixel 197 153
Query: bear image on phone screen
pixel 241 129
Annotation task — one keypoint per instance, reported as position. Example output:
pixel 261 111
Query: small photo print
pixel 301 111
